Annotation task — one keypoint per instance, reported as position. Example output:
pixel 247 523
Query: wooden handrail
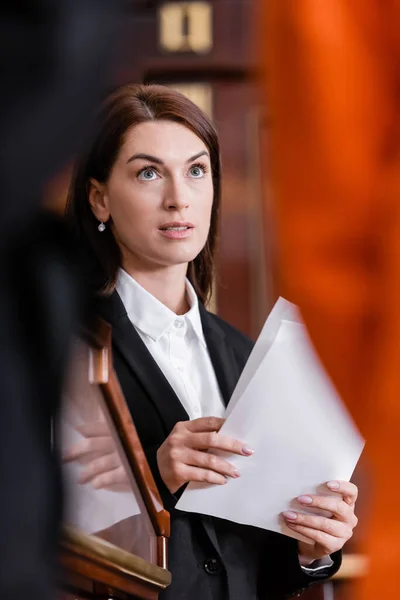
pixel 100 341
pixel 130 441
pixel 121 561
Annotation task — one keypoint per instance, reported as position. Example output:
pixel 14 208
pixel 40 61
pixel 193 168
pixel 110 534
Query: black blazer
pixel 210 558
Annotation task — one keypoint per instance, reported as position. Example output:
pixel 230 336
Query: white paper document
pixel 285 408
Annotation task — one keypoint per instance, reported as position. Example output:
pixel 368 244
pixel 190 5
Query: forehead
pixel 164 139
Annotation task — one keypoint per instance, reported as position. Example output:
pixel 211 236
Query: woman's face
pixel 159 195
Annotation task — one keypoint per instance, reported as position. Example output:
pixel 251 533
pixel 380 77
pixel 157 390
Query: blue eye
pixel 147 174
pixel 197 171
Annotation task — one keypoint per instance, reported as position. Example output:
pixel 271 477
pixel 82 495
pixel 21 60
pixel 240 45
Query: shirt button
pixel 180 369
pixel 179 324
pixel 213 566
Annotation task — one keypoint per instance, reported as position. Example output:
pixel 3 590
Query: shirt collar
pixel 151 316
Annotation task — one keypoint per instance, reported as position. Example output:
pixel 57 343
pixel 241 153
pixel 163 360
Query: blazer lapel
pixel 129 343
pixel 221 354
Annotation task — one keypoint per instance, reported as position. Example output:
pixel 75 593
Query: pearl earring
pixel 101 227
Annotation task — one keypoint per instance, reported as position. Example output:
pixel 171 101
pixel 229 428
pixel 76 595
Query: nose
pixel 176 195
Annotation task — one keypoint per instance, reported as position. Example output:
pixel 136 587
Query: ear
pixel 98 200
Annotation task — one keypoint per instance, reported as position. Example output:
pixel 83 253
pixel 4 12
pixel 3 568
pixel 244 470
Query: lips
pixel 176 226
pixel 177 230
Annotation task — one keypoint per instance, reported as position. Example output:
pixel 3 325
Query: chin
pixel 179 256
pixel 175 261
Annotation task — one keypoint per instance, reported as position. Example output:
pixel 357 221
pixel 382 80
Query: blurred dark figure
pixel 53 63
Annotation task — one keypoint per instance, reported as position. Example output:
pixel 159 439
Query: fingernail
pixel 235 473
pixel 247 450
pixel 333 485
pixel 305 499
pixel 292 516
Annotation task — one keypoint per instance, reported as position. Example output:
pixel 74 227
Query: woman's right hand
pixel 184 455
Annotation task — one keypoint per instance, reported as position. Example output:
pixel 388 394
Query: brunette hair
pixel 128 106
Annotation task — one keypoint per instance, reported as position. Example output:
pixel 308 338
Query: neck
pixel 167 284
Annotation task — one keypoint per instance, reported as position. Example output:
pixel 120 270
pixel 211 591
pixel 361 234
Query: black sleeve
pixel 281 575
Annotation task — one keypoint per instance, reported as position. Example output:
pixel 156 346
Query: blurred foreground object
pixel 115 537
pixel 331 76
pixel 52 66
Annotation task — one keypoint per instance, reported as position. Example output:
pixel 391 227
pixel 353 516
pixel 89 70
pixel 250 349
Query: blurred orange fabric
pixel 331 83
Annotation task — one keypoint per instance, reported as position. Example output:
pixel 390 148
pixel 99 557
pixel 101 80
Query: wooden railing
pixel 117 547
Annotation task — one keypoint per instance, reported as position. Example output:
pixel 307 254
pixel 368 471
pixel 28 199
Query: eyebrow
pixel 158 161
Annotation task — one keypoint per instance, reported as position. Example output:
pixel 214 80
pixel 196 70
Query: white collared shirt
pixel 177 344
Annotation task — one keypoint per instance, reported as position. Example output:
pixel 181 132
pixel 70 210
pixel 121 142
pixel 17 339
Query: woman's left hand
pixel 327 534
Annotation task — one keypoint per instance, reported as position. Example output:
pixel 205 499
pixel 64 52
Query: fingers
pixel 203 424
pixel 212 439
pixel 183 457
pixel 99 466
pixel 326 541
pixel 348 490
pixel 115 477
pixel 103 445
pixel 95 429
pixel 327 534
pixel 189 473
pixel 211 462
pixel 339 509
pixel 332 527
pixel 202 434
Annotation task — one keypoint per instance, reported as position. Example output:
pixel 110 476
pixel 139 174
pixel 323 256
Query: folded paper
pixel 286 408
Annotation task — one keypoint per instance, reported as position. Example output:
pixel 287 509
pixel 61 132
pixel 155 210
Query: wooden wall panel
pixel 232 104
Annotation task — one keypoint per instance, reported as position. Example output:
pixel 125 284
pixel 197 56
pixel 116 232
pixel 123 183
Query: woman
pixel 145 199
